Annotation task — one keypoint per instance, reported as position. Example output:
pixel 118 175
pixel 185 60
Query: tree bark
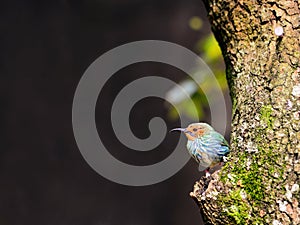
pixel 260 42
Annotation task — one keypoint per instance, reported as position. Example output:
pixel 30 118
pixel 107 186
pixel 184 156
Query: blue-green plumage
pixel 205 145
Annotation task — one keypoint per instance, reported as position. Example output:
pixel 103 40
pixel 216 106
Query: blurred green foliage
pixel 209 50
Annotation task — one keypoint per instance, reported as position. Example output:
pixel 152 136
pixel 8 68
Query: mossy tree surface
pixel 260 42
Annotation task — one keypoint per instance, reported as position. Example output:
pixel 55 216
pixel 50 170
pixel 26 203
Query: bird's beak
pixel 178 129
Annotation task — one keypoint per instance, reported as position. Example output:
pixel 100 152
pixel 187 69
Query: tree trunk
pixel 260 42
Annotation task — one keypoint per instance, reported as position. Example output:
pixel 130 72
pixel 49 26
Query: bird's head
pixel 195 130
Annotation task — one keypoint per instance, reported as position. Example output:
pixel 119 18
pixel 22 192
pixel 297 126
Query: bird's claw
pixel 225 159
pixel 207 174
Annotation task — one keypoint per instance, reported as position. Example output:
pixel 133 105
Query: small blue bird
pixel 205 145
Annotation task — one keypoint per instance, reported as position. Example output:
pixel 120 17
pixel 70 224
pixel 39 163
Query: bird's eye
pixel 195 129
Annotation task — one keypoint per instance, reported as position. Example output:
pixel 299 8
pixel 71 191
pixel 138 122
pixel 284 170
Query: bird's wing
pixel 217 143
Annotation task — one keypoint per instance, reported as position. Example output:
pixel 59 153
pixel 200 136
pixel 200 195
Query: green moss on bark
pixel 266 115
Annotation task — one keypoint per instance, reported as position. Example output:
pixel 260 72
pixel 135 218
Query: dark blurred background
pixel 45 48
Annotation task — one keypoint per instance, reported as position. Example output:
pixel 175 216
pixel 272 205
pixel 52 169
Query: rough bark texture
pixel 260 182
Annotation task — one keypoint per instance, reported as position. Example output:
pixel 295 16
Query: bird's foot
pixel 225 159
pixel 207 174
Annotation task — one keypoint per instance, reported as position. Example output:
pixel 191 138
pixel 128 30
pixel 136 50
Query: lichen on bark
pixel 260 42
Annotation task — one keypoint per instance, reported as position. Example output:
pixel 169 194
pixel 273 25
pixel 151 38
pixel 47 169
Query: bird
pixel 205 145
